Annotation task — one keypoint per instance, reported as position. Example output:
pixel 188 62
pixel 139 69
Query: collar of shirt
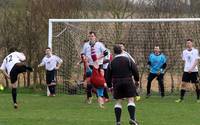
pixel 119 55
pixel 188 49
pixel 49 56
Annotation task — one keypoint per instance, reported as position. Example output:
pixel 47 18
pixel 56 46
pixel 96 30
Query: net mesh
pixel 139 39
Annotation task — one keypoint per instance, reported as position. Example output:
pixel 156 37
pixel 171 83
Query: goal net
pixel 66 38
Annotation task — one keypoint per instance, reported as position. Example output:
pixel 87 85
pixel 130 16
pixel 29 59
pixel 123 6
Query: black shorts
pixel 15 71
pixel 51 76
pixel 192 77
pixel 123 88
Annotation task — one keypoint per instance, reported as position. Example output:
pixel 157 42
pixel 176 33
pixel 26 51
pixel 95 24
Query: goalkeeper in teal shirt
pixel 157 64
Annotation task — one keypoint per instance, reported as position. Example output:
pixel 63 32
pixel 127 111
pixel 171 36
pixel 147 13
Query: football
pixel 1 87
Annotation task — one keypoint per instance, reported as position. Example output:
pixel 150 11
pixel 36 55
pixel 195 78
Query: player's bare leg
pixel 101 102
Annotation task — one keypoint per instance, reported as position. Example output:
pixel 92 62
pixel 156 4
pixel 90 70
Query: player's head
pixel 48 51
pixel 122 46
pixel 117 49
pixel 157 50
pixel 83 56
pixel 12 49
pixel 92 36
pixel 189 43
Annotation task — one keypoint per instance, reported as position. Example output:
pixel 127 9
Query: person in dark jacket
pixel 119 77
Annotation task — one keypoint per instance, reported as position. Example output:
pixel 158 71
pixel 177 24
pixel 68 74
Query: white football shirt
pixel 11 59
pixel 189 57
pixel 51 62
pixel 99 49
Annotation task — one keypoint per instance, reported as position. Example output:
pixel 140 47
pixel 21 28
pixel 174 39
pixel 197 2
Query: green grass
pixel 37 109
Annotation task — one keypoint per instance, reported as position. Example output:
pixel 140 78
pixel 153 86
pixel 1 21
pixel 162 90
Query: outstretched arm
pixel 5 73
pixel 40 65
pixel 58 65
pixel 3 69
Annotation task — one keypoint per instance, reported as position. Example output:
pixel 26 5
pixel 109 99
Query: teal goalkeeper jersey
pixel 156 62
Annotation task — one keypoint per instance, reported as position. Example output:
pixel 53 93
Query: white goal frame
pixel 145 20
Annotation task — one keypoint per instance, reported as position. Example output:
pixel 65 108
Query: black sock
pixel 182 93
pixel 198 93
pixel 54 89
pixel 105 93
pixel 162 89
pixel 14 95
pixel 131 110
pixel 148 88
pixel 50 89
pixel 118 112
pixel 89 91
pixel 162 94
pixel 137 94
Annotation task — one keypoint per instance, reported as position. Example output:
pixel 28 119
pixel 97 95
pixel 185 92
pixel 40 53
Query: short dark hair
pixel 92 32
pixel 12 49
pixel 189 40
pixel 117 49
pixel 82 54
pixel 47 48
pixel 122 43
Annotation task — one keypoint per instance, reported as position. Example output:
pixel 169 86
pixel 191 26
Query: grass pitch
pixel 37 109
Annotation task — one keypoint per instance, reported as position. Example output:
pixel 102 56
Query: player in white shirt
pixel 12 66
pixel 100 51
pixel 190 56
pixel 52 63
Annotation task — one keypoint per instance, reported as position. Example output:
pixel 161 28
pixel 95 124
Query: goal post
pixel 138 35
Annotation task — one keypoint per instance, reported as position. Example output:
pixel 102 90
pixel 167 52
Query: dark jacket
pixel 121 67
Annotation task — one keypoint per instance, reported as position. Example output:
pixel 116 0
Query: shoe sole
pixel 133 123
